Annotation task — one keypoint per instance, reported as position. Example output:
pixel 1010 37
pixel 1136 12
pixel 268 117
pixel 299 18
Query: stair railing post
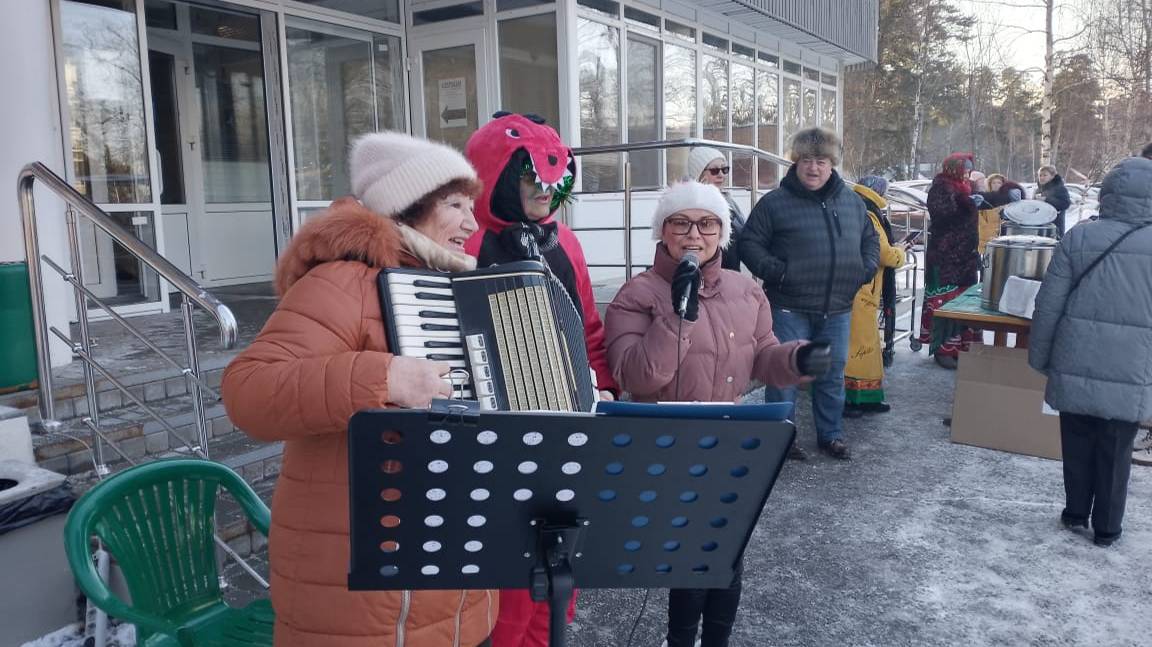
pixel 39 314
pixel 192 375
pixel 85 343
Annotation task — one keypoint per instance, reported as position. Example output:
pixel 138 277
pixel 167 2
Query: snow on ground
pixel 123 635
pixel 919 542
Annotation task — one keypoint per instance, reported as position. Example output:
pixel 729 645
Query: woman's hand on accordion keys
pixel 414 382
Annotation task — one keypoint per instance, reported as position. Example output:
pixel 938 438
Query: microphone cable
pixel 675 397
pixel 636 623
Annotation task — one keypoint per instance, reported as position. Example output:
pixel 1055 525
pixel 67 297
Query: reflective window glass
pixel 683 31
pixel 714 98
pixel 791 101
pixel 743 121
pixel 679 103
pixel 444 14
pixel 529 77
pixel 606 7
pixel 105 97
pixel 643 110
pixel 810 108
pixel 233 124
pixel 225 24
pixel 828 109
pixel 388 10
pixel 342 83
pixel 767 123
pixel 159 14
pixel 598 48
pixel 509 5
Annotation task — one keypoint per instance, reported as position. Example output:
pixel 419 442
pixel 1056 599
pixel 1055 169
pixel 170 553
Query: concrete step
pixel 71 397
pixel 137 433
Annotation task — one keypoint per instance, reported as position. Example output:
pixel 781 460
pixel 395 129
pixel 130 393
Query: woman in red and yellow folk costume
pixel 864 373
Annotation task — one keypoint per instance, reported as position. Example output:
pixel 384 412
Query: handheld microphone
pixel 691 262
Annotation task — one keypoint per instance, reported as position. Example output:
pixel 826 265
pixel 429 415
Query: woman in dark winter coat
pixel 709 166
pixel 951 262
pixel 1051 189
pixel 1092 337
pixel 1001 191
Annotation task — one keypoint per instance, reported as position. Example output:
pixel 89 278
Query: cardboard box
pixel 999 401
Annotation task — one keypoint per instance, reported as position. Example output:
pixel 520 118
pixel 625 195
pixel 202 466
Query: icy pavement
pixel 918 541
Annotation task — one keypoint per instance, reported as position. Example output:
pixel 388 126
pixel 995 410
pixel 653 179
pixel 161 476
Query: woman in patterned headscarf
pixel 951 262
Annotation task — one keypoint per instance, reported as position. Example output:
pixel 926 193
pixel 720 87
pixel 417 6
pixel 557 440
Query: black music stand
pixel 449 498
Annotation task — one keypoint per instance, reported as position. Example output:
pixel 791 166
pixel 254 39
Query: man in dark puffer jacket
pixel 812 244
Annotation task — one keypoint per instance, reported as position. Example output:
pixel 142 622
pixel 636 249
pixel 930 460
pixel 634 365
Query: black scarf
pixel 523 238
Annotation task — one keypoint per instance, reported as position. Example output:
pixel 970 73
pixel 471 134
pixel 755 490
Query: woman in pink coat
pixel 724 339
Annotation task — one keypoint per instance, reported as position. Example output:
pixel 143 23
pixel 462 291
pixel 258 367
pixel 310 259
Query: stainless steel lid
pixel 1029 212
pixel 1023 241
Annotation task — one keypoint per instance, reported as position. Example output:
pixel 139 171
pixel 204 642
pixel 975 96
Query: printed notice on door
pixel 453 103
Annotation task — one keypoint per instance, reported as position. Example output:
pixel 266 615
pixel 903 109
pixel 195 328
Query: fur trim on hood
pixel 346 231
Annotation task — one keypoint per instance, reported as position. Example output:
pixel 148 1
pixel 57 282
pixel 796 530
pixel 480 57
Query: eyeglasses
pixel 706 226
pixel 719 169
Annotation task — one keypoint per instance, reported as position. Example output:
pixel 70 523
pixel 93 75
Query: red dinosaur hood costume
pixel 504 150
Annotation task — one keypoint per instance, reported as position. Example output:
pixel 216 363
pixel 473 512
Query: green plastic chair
pixel 156 520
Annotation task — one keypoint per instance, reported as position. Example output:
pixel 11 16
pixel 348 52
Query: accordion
pixel 511 333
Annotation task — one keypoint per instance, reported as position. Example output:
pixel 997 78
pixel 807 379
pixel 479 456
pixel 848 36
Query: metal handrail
pixel 193 293
pixel 688 142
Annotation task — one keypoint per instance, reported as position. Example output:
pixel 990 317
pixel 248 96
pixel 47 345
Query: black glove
pixel 686 282
pixel 814 359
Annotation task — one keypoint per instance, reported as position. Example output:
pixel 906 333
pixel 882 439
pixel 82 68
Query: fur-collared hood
pixel 349 231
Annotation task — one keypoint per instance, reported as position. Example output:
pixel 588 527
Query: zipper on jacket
pixel 405 604
pixel 459 613
pixel 832 269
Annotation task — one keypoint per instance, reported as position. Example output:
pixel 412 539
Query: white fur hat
pixel 699 159
pixel 692 195
pixel 391 171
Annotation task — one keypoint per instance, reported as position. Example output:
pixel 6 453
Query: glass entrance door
pixel 211 122
pixel 450 95
pixel 108 145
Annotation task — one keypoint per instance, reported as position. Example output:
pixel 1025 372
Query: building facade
pixel 213 129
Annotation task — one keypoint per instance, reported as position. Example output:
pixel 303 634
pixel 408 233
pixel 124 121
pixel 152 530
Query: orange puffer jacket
pixel 321 357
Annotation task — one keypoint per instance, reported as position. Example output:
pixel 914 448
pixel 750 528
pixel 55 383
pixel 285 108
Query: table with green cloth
pixel 968 310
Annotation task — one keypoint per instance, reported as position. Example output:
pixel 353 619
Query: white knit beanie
pixel 699 159
pixel 692 195
pixel 391 171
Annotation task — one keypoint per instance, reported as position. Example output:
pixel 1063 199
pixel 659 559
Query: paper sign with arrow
pixel 453 103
